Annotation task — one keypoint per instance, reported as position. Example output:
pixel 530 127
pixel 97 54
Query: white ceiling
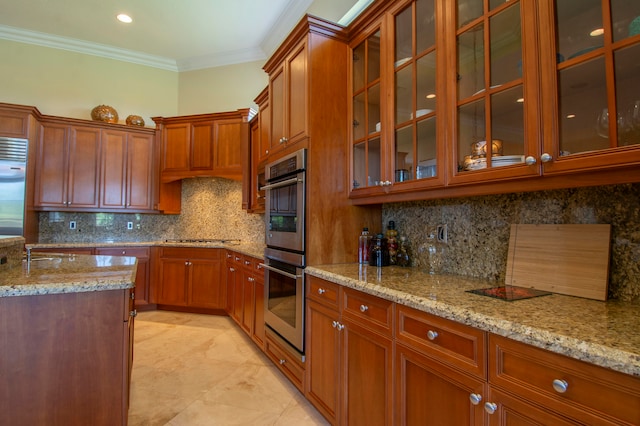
pixel 178 35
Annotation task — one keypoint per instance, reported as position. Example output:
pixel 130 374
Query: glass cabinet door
pixel 492 73
pixel 596 82
pixel 366 125
pixel 415 93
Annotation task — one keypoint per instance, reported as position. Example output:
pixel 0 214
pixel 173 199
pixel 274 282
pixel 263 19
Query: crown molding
pixel 284 24
pixel 221 59
pixel 86 48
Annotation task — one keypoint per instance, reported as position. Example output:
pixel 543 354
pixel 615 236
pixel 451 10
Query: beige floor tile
pixel 195 370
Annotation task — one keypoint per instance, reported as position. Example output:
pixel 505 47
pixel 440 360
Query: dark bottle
pixel 379 253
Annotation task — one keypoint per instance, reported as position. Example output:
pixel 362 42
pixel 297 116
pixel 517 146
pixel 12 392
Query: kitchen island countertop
pixel 64 273
pixel 601 333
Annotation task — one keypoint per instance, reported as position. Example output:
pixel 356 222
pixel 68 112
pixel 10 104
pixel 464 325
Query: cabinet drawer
pixel 370 311
pixel 190 253
pixel 323 291
pixel 139 252
pixel 290 365
pixel 590 390
pixel 450 342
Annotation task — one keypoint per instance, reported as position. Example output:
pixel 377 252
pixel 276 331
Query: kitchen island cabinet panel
pixel 65 359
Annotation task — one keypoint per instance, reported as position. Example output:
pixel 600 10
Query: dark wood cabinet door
pixel 228 147
pixel 231 285
pixel 367 360
pixel 277 98
pixel 84 166
pixel 114 169
pixel 202 137
pixel 297 90
pixel 51 173
pixel 205 284
pixel 173 282
pixel 140 172
pixel 429 393
pixel 176 148
pixel 258 318
pixel 511 411
pixel 323 360
pixel 248 302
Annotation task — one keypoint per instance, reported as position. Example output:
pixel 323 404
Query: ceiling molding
pixel 221 59
pixel 87 48
pixel 284 24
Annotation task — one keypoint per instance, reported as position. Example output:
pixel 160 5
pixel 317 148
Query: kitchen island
pixel 66 340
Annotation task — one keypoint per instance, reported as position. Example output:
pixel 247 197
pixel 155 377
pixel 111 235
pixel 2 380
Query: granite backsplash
pixel 478 229
pixel 211 209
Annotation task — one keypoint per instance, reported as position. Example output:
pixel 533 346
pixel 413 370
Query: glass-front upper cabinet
pixel 417 149
pixel 593 119
pixel 494 94
pixel 366 112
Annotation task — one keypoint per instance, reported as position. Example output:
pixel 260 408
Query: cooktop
pixel 202 240
pixel 509 292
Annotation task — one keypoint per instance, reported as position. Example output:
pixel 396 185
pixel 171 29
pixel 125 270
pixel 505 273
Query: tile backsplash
pixel 211 209
pixel 478 229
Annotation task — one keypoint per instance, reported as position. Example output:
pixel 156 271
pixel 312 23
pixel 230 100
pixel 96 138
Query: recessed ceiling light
pixel 597 32
pixel 124 18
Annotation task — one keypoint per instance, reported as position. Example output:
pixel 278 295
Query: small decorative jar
pixel 104 113
pixel 135 120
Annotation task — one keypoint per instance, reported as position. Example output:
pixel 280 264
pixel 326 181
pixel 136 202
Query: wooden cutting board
pixel 566 259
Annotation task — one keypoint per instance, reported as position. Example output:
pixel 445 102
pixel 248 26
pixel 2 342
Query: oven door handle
pixel 286 274
pixel 281 184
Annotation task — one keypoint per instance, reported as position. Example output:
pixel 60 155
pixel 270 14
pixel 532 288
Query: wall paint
pixel 70 84
pixel 225 88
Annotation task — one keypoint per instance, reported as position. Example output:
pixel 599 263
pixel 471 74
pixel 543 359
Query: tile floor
pixel 192 370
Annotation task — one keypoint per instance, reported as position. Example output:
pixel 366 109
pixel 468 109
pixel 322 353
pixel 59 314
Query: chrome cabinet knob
pixel 475 398
pixel 321 291
pixel 340 327
pixel 560 386
pixel 545 158
pixel 124 252
pixel 282 361
pixel 133 313
pixel 334 324
pixel 364 308
pixel 530 160
pixel 232 270
pixel 432 335
pixel 490 407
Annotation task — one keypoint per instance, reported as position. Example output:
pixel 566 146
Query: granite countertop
pixel 601 333
pixel 64 273
pixel 250 249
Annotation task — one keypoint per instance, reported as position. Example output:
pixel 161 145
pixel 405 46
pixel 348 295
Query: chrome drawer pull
pixel 321 291
pixel 432 335
pixel 282 361
pixel 364 308
pixel 560 386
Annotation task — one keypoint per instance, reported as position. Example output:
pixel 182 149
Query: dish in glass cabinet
pixel 401 62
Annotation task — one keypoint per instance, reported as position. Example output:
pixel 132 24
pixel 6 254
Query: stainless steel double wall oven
pixel 285 194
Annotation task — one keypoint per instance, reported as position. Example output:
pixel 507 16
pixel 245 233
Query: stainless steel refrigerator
pixel 13 164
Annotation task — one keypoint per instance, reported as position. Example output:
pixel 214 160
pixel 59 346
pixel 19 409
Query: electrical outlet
pixel 129 225
pixel 72 224
pixel 442 236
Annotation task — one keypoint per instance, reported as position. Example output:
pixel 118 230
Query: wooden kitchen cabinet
pixel 560 387
pixel 143 272
pixel 516 109
pixel 203 145
pixel 127 171
pixel 349 354
pixel 17 121
pixel 68 167
pixel 255 155
pixel 440 369
pixel 191 279
pixel 66 358
pixel 288 98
